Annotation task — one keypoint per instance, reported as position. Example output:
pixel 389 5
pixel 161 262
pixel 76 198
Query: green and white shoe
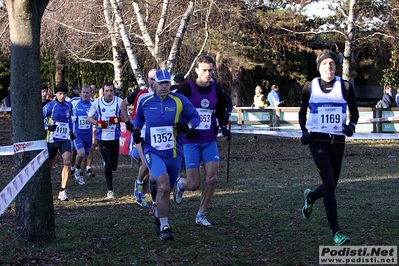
pixel 307 207
pixel 340 239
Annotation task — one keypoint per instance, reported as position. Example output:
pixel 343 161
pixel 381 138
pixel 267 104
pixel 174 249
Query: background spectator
pixel 75 92
pixel 387 99
pixel 260 100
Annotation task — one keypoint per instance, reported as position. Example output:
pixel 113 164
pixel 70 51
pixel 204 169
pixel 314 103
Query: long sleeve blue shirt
pixel 159 116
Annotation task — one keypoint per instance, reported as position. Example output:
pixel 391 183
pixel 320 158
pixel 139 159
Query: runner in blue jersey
pixel 83 131
pixel 210 101
pixel 143 174
pixel 58 122
pixel 165 114
pixel 73 148
pixel 105 113
pixel 89 171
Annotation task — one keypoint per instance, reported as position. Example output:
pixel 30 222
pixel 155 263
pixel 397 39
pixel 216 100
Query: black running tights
pixel 110 152
pixel 328 160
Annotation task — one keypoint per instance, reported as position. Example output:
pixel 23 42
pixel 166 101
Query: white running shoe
pixel 79 178
pixel 177 192
pixel 201 220
pixel 81 181
pixel 76 174
pixel 63 195
pixel 110 194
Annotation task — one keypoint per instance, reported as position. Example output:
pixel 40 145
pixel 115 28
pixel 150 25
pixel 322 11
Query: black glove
pixel 182 127
pixel 137 136
pixel 305 139
pixel 348 130
pixel 226 133
pixel 191 134
pixel 129 126
pixel 52 128
pixel 72 135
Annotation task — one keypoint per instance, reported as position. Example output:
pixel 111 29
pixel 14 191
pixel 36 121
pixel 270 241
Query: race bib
pixel 162 138
pixel 329 119
pixel 61 131
pixel 205 118
pixel 83 122
pixel 110 127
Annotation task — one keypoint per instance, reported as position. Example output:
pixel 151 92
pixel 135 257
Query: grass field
pixel 256 215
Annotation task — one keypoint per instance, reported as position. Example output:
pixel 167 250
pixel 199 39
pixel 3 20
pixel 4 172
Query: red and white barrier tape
pixel 294 134
pixel 382 119
pixel 34 145
pixel 5 109
pixel 8 194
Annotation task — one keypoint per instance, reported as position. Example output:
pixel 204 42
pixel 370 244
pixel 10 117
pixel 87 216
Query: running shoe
pixel 79 178
pixel 340 239
pixel 177 192
pixel 89 173
pixel 63 195
pixel 138 191
pixel 201 220
pixel 307 207
pixel 166 233
pixel 110 194
pixel 143 203
pixel 81 181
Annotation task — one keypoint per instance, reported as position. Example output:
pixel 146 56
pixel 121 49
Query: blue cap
pixel 162 75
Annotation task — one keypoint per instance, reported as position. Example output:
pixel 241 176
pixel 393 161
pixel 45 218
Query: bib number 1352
pixel 162 138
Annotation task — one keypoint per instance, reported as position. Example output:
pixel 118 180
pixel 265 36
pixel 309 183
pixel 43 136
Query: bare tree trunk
pixel 126 41
pixel 179 36
pixel 350 35
pixel 229 76
pixel 34 205
pixel 59 68
pixel 154 46
pixel 59 58
pixel 116 55
pixel 235 90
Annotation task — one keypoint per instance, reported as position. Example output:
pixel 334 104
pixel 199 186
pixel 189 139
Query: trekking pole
pixel 228 156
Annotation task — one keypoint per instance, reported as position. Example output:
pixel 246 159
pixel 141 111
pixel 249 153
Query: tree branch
pixel 205 39
pixel 311 32
pixel 83 59
pixel 72 28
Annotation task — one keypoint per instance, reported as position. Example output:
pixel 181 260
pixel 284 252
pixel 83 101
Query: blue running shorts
pixel 159 166
pixel 195 153
pixel 83 141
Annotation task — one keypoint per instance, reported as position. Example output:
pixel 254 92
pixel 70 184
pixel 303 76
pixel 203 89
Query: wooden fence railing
pixel 375 120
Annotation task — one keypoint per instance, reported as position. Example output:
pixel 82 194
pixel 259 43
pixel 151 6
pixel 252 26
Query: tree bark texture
pixel 34 223
pixel 349 39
